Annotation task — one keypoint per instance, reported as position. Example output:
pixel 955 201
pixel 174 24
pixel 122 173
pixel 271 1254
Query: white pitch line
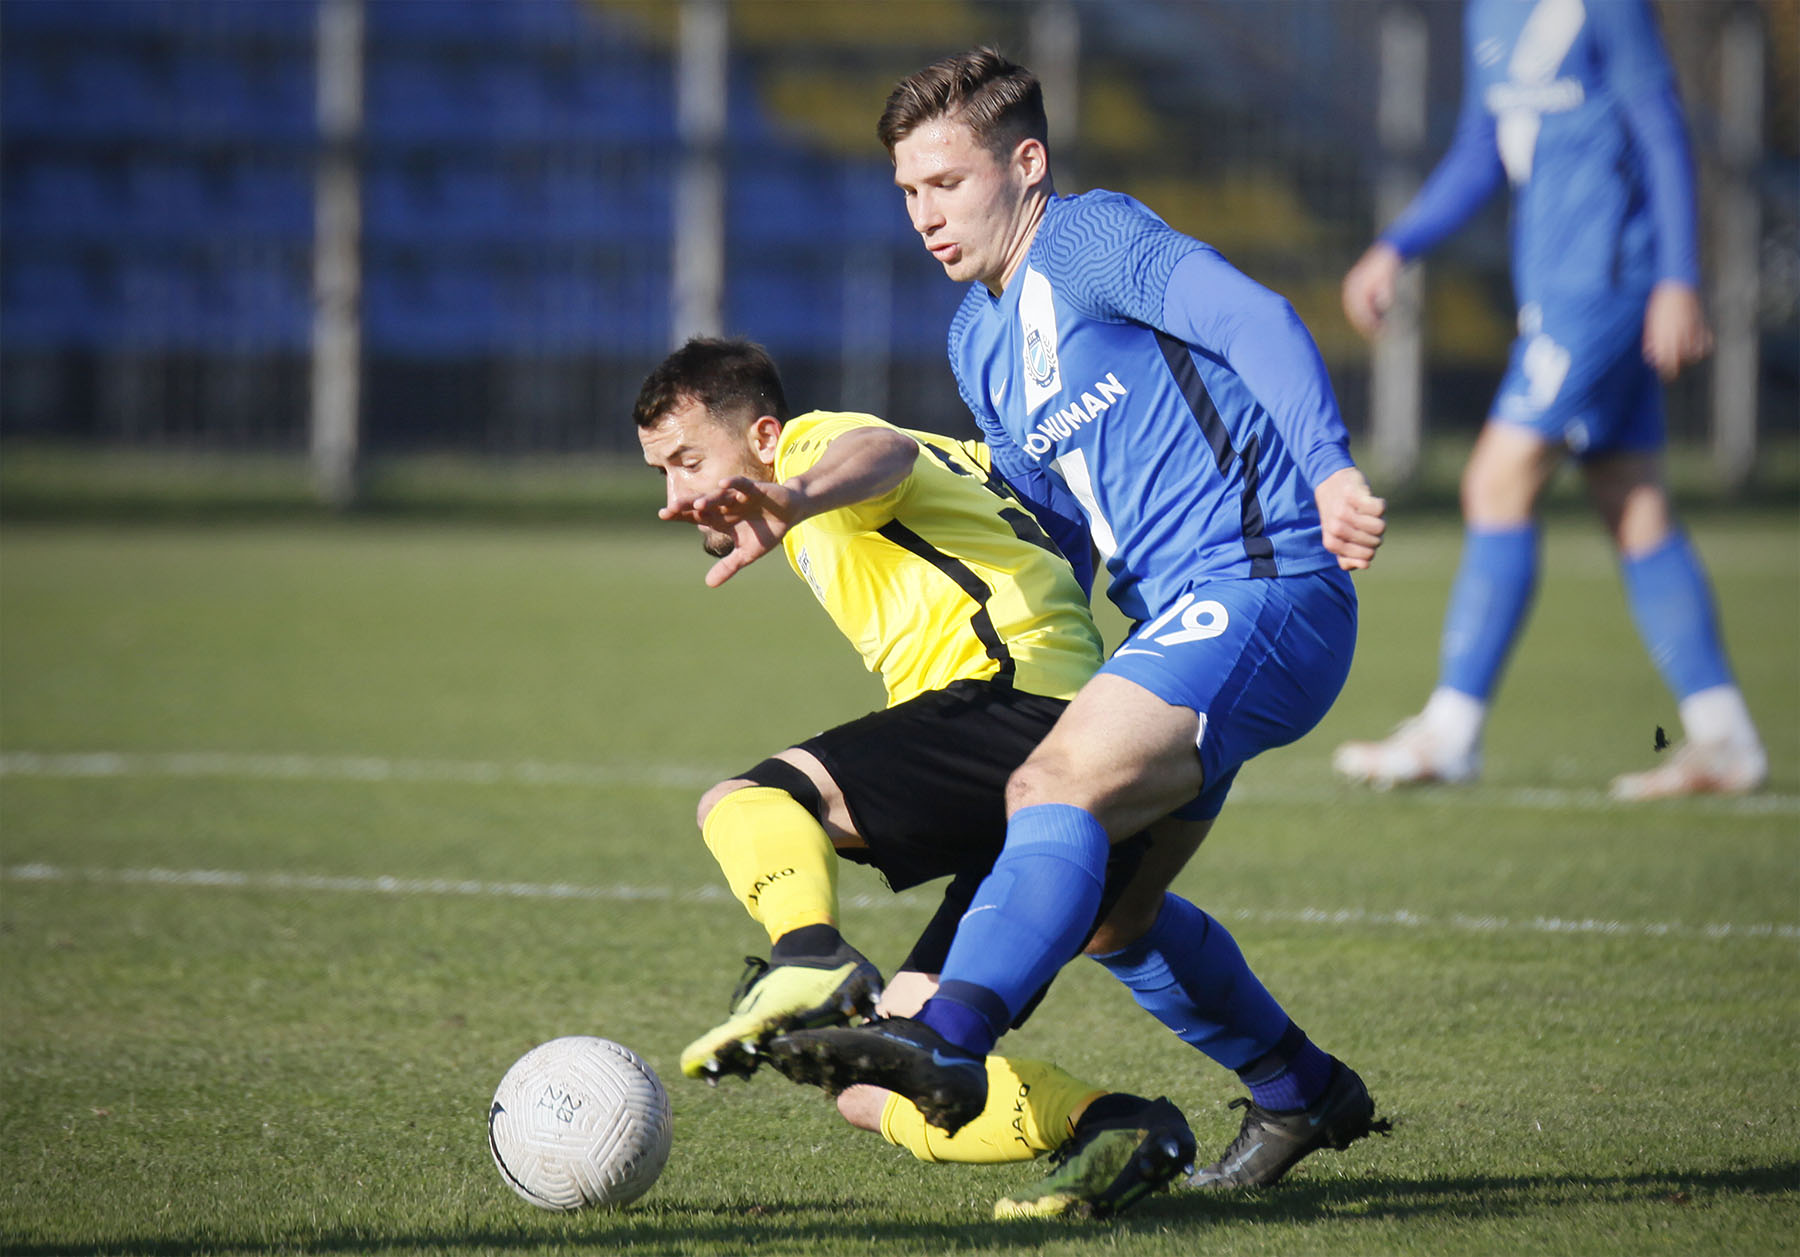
pixel 671 776
pixel 366 768
pixel 1341 918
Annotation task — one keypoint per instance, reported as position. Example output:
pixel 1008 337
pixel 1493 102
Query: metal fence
pixel 365 227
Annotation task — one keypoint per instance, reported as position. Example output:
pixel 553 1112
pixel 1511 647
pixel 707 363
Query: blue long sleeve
pixel 1468 174
pixel 1212 304
pixel 1639 71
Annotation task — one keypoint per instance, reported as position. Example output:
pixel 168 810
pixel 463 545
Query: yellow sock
pixel 1032 1108
pixel 777 858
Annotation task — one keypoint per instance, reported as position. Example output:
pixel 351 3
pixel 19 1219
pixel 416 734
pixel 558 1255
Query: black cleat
pixel 1124 1148
pixel 948 1084
pixel 1270 1143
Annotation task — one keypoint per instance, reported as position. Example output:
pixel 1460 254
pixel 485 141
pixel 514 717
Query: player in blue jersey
pixel 1574 105
pixel 1155 406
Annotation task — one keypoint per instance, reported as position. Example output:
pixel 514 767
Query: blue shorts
pixel 1260 660
pixel 1578 378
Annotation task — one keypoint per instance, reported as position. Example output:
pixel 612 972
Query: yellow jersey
pixel 945 577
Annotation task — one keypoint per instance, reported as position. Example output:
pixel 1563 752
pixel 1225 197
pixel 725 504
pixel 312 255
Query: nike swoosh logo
pixel 1241 1161
pixel 954 1062
pixel 1133 650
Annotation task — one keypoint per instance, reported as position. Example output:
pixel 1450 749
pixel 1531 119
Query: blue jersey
pixel 1140 391
pixel 1571 102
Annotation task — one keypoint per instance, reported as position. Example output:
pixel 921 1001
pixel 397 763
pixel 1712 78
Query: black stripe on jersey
pixel 1257 547
pixel 1024 525
pixel 966 580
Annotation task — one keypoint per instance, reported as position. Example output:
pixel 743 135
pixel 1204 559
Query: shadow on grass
pixel 821 1221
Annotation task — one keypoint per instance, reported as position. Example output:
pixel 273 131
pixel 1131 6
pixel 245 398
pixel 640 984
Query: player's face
pixel 970 207
pixel 694 453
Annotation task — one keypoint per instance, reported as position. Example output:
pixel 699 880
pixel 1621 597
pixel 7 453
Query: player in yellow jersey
pixel 981 633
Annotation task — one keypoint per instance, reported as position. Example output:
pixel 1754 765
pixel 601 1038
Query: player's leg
pixel 1030 915
pixel 773 832
pixel 1183 966
pixel 1111 1148
pixel 1489 600
pixel 1133 745
pixel 1673 607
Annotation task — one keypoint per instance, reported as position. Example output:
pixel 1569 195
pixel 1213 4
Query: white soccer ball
pixel 580 1121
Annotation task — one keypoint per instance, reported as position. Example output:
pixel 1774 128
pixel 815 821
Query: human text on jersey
pixel 1094 401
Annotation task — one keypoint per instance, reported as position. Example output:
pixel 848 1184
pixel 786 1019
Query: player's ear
pixel 1032 161
pixel 764 434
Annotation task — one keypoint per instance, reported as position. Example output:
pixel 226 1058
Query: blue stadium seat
pixel 167 200
pixel 430 312
pixel 48 303
pixel 411 98
pixel 608 202
pixel 159 304
pixel 227 96
pixel 30 94
pixel 275 201
pixel 256 300
pixel 61 199
pixel 614 98
pixel 789 307
pixel 492 23
pixel 115 95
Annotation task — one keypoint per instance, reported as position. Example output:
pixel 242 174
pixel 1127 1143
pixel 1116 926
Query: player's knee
pixel 862 1106
pixel 1033 782
pixel 713 797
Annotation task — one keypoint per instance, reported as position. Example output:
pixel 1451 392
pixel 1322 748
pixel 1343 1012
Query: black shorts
pixel 925 782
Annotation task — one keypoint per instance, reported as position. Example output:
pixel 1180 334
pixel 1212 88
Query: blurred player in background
pixel 1149 400
pixel 981 634
pixel 1575 105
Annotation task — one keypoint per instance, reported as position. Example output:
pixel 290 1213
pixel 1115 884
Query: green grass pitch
pixel 308 831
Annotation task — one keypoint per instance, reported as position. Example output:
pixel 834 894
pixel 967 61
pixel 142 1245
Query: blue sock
pixel 1292 1076
pixel 1187 972
pixel 1494 586
pixel 1673 607
pixel 1028 918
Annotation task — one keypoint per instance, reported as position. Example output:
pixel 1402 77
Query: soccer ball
pixel 580 1121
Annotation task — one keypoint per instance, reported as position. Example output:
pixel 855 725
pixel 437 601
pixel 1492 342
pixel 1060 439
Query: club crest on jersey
pixel 1040 358
pixel 1037 320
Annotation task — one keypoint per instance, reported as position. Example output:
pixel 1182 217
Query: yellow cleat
pixel 773 999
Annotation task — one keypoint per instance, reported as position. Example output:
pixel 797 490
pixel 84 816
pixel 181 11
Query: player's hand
pixel 1675 330
pixel 756 514
pixel 1369 287
pixel 1351 518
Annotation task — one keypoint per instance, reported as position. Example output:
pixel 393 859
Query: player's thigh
pixel 1506 471
pixel 923 783
pixel 1120 752
pixel 1238 667
pixel 1627 489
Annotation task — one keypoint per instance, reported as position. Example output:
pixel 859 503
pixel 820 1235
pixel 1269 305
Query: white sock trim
pixel 1456 718
pixel 1718 715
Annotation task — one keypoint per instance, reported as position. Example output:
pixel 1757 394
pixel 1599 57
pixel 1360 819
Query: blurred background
pixel 341 253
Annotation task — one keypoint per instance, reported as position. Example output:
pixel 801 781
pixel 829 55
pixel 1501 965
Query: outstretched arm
pixel 857 466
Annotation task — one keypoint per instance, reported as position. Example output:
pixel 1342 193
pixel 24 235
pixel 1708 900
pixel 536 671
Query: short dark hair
pixel 1001 103
pixel 728 377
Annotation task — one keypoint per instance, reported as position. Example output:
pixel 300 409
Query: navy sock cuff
pixel 967 1014
pixel 1276 1059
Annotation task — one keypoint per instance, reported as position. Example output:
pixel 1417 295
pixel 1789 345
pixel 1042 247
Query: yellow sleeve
pixel 804 440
